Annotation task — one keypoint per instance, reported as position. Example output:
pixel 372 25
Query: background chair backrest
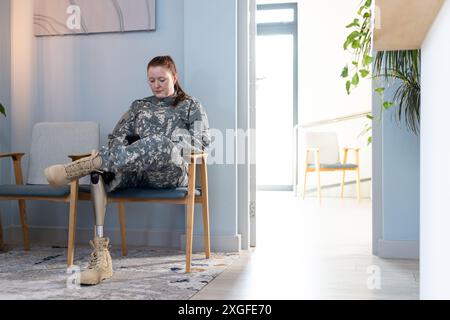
pixel 52 142
pixel 328 144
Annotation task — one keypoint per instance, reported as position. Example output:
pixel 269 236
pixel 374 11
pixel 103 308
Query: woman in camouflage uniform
pixel 165 127
pixel 145 149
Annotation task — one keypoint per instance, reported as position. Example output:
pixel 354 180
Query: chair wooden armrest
pixel 349 148
pixel 76 157
pixel 16 157
pixel 346 149
pixel 316 155
pixel 195 156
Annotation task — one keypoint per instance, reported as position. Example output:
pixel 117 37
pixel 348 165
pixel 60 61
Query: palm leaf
pixel 403 66
pixel 2 110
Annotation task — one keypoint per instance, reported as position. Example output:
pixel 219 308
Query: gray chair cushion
pixel 147 193
pixel 51 191
pixel 12 190
pixel 335 166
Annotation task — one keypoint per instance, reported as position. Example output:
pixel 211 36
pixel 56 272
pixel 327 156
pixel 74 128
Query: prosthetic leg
pixel 100 266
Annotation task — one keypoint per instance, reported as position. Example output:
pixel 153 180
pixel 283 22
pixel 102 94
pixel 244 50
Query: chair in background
pixel 50 143
pixel 322 155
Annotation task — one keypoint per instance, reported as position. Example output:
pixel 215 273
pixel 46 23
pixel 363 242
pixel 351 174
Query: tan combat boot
pixel 100 266
pixel 62 174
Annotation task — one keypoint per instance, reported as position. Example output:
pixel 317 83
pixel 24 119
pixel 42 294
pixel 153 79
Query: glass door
pixel 276 95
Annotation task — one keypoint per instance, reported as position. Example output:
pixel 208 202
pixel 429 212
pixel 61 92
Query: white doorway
pixel 295 63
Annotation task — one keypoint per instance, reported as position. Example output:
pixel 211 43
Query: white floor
pixel 310 251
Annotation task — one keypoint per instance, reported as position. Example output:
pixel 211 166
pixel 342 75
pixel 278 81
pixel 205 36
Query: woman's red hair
pixel 167 62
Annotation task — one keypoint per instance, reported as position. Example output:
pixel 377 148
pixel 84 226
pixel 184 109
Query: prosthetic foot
pixel 100 266
pixel 62 174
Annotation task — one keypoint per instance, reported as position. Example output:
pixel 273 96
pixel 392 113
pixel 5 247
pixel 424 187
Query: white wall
pixel 322 93
pixel 322 34
pixel 434 161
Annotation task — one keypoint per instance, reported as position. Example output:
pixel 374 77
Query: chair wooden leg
pixel 358 178
pixel 23 222
pixel 123 234
pixel 190 207
pixel 72 222
pixel 342 184
pixel 71 239
pixel 304 184
pixel 306 173
pixel 1 233
pixel 206 235
pixel 358 184
pixel 205 207
pixel 319 191
pixel 343 173
pixel 189 233
pixel 317 165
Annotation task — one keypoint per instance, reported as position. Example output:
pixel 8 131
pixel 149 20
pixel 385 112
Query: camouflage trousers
pixel 153 162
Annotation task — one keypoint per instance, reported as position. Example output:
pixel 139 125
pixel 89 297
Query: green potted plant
pixel 2 110
pixel 401 70
pixel 397 69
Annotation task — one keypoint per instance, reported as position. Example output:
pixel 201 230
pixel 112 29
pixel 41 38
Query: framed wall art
pixel 63 17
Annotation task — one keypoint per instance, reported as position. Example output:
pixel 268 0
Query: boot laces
pixel 84 165
pixel 98 257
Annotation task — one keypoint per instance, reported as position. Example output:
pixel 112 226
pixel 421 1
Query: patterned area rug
pixel 146 273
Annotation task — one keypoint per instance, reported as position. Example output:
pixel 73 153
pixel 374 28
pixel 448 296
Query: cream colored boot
pixel 62 174
pixel 100 266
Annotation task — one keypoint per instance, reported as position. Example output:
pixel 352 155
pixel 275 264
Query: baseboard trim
pixel 337 185
pixel 135 237
pixel 58 236
pixel 398 249
pixel 218 243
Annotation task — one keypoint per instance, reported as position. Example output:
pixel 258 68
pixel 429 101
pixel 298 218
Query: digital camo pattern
pixel 164 135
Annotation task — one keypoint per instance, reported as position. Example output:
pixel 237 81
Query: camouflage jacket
pixel 185 125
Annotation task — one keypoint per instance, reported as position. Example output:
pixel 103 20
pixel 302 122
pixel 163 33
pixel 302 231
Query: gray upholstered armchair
pixel 50 143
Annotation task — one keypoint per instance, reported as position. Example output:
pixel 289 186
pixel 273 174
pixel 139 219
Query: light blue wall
pixel 377 175
pixel 210 68
pixel 5 99
pixel 401 179
pixel 96 78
